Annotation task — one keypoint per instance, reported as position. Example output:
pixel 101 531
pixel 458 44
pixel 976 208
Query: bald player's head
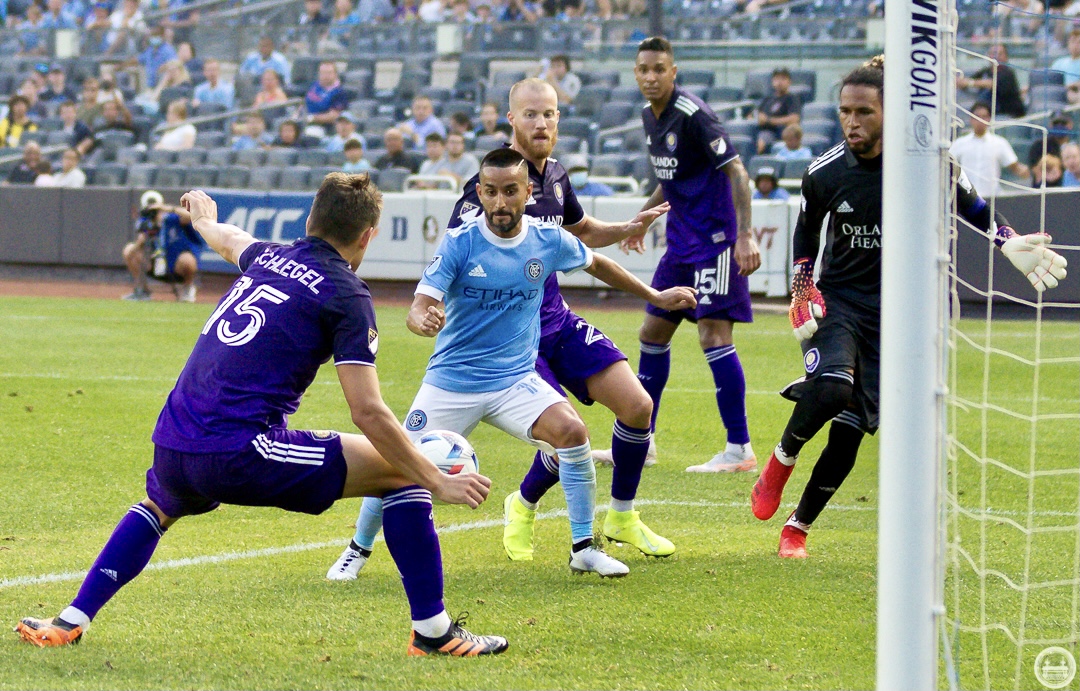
pixel 534 115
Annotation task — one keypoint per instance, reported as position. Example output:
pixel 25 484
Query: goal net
pixel 1010 477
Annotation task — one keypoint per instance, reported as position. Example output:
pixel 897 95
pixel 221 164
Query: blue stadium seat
pixel 129 155
pixel 109 175
pixel 233 177
pixel 209 139
pixel 817 143
pixel 141 175
pixel 610 164
pixel 819 111
pixel 201 177
pixel 251 158
pixel 312 158
pixel 615 113
pixel 160 157
pixel 796 168
pixel 264 178
pixel 315 177
pixel 591 99
pixel 295 178
pixel 393 179
pixel 220 157
pixel 758 162
pixel 697 77
pixel 191 157
pixel 741 128
pixel 627 93
pixel 281 157
pixel 825 128
pixel 170 176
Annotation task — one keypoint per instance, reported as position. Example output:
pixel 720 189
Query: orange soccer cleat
pixel 792 543
pixel 457 642
pixel 44 633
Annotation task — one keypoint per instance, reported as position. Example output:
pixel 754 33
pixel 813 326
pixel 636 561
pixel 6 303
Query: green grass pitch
pixel 82 382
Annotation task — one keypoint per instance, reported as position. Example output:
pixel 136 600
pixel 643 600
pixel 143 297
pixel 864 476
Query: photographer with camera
pixel 166 248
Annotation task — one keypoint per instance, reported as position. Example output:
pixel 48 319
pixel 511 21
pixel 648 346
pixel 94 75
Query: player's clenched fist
pixel 1043 266
pixel 465 488
pixel 427 323
pixel 807 305
pixel 199 205
pixel 675 299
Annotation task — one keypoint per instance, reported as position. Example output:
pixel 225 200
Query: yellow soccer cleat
pixel 626 526
pixel 518 521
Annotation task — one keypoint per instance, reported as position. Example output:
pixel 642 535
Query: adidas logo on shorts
pixel 844 208
pixel 478 272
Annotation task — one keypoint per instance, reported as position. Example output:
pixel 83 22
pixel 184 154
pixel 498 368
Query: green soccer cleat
pixel 518 521
pixel 626 526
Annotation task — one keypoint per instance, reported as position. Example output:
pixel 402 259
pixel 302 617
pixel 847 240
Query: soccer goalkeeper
pixel 838 320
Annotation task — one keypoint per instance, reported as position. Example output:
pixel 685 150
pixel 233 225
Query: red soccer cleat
pixel 45 634
pixel 769 488
pixel 792 543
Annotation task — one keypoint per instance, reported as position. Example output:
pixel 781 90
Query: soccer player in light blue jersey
pixel 489 273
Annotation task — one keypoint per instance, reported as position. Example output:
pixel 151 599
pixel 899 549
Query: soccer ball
pixel 450 451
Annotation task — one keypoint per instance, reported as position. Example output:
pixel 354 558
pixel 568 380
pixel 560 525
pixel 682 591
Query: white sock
pixel 530 505
pixel 75 616
pixel 805 527
pixel 741 450
pixel 433 627
pixel 783 457
pixel 622 505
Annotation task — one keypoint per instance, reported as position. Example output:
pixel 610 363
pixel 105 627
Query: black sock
pixel 364 552
pixel 837 460
pixel 823 399
pixel 581 544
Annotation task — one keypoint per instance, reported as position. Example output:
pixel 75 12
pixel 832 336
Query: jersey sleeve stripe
pixel 826 158
pixel 431 291
pixel 354 362
pixel 589 257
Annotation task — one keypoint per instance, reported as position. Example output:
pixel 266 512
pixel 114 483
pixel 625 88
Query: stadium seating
pixel 233 177
pixel 264 178
pixel 170 176
pixel 252 158
pixel 191 157
pixel 393 179
pixel 141 175
pixel 294 178
pixel 201 177
pixel 110 174
pixel 220 157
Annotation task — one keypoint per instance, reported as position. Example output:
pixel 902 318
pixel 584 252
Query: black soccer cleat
pixel 456 642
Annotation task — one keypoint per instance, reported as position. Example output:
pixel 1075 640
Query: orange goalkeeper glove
pixel 807 305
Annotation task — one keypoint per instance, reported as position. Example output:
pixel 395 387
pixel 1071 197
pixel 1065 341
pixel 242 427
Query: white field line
pixel 445 530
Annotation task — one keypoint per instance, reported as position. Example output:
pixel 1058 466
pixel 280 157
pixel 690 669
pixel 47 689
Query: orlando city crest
pixel 559 192
pixel 534 269
pixel 671 141
pixel 373 340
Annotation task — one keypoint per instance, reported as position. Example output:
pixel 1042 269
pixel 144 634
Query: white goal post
pixel 918 78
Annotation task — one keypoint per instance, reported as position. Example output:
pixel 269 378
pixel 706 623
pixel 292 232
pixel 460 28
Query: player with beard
pixel 572 353
pixel 841 351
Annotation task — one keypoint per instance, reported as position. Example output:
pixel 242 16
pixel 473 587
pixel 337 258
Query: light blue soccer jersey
pixel 492 288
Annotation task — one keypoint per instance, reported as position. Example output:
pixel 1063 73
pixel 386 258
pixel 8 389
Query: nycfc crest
pixel 534 269
pixel 416 420
pixel 671 141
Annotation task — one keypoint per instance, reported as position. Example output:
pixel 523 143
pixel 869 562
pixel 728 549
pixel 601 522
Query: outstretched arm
pixel 596 233
pixel 609 271
pixel 228 241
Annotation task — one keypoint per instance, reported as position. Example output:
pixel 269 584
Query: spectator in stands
pixel 35 109
pixel 777 110
pixel 345 131
pixel 790 146
pixel 173 74
pixel 1019 17
pixel 1061 131
pixel 407 11
pixel 58 89
pixel 16 123
pixel 44 174
pixel 214 90
pixel 56 17
pixel 185 53
pixel 556 72
pixel 460 14
pixel 179 22
pixel 80 136
pixel 983 154
pixel 98 26
pixel 180 134
pixel 619 9
pixel 26 171
pixel 1047 172
pixel 313 15
pixel 326 98
pixel 491 124
pixel 517 11
pixel 288 135
pixel 767 186
pixel 459 163
pixel 578 168
pixel 395 156
pixel 1010 101
pixel 423 121
pixel 33 32
pixel 158 52
pixel 114 116
pixel 340 29
pixel 265 58
pixel 271 90
pixel 435 149
pixel 70 175
pixel 1070 66
pixel 1070 160
pixel 460 123
pixel 354 158
pixel 253 134
pixel 126 24
pixel 484 15
pixel 109 91
pixel 432 11
pixel 89 105
pixel 369 11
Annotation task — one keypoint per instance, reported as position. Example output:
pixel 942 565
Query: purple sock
pixel 123 557
pixel 629 446
pixel 414 546
pixel 653 370
pixel 542 476
pixel 730 391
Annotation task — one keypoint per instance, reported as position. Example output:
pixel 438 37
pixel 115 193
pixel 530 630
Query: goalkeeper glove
pixel 807 305
pixel 1043 266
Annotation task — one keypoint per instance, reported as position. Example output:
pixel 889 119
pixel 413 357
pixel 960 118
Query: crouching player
pixel 841 353
pixel 221 437
pixel 490 273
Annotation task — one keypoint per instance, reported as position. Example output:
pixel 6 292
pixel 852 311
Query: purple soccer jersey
pixel 294 307
pixel 553 201
pixel 687 147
